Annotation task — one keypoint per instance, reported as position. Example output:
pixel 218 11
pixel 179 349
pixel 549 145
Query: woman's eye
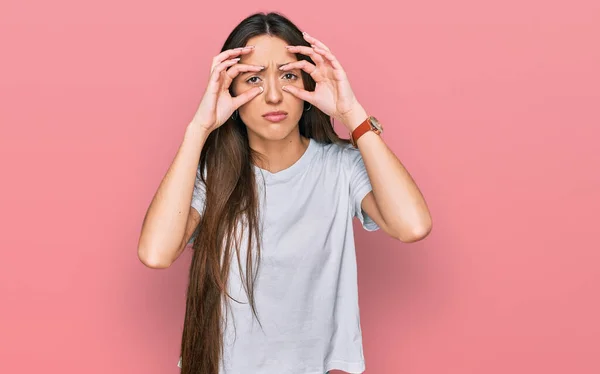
pixel 286 76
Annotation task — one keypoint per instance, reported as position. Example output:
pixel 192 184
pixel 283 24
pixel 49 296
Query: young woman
pixel 266 191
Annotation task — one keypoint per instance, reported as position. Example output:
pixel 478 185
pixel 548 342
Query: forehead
pixel 268 50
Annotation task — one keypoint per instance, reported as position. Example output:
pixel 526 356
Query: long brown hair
pixel 231 199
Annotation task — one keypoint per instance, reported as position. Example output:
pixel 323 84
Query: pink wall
pixel 494 108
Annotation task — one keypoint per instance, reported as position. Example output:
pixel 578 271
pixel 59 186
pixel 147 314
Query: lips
pixel 275 116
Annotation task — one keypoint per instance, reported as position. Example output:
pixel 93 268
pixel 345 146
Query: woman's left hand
pixel 333 94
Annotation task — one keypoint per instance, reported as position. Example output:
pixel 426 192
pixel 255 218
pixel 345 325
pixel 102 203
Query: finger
pixel 214 83
pixel 238 68
pixel 315 41
pixel 248 95
pixel 299 93
pixel 329 56
pixel 234 71
pixel 318 59
pixel 216 74
pixel 229 54
pixel 302 64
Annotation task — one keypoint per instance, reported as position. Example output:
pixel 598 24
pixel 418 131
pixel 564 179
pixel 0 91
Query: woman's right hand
pixel 218 105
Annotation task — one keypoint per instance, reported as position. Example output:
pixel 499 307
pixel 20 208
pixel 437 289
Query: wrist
pixel 196 129
pixel 353 118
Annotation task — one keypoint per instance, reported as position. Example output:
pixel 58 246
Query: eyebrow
pixel 266 68
pixel 280 65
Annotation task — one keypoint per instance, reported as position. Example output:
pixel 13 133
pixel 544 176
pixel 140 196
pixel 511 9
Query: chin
pixel 274 131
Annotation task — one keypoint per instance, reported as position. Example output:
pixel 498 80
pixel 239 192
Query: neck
pixel 277 155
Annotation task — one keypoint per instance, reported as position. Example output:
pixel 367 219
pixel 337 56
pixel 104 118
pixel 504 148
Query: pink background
pixel 493 107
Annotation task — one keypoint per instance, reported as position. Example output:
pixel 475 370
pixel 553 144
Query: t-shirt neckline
pixel 293 169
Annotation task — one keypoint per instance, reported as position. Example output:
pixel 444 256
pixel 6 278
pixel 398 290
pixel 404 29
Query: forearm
pixel 165 221
pixel 398 198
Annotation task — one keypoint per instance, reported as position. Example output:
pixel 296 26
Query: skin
pixel 280 142
pixel 396 203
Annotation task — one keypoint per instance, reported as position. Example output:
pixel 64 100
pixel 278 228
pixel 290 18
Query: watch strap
pixel 362 129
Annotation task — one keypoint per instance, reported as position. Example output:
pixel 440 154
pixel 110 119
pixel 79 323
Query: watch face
pixel 376 124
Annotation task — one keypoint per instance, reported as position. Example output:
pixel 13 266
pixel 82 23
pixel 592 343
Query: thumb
pixel 243 98
pixel 299 93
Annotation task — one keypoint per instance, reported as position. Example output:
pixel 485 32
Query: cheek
pixel 296 103
pixel 250 109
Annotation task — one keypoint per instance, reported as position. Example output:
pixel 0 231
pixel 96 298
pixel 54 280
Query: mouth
pixel 275 116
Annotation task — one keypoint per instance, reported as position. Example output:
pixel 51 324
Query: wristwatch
pixel 369 124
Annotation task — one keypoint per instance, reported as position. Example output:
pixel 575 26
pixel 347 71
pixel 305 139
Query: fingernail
pixel 261 89
pixel 284 88
pixel 304 33
pixel 236 59
pixel 249 46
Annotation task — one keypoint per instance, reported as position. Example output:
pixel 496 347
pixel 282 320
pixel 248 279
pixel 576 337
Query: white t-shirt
pixel 306 289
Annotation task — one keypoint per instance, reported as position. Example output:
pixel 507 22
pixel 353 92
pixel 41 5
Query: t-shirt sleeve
pixel 360 186
pixel 199 194
pixel 198 197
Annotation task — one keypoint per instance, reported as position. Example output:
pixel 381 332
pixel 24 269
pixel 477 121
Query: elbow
pixel 415 233
pixel 152 259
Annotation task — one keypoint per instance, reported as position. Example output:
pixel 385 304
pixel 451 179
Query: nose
pixel 273 92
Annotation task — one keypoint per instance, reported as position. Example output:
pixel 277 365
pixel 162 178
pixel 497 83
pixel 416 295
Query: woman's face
pixel 271 53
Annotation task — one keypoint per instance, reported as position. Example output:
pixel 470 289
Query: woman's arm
pixel 170 219
pixel 395 204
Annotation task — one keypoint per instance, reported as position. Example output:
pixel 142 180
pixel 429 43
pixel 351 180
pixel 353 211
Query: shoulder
pixel 342 154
